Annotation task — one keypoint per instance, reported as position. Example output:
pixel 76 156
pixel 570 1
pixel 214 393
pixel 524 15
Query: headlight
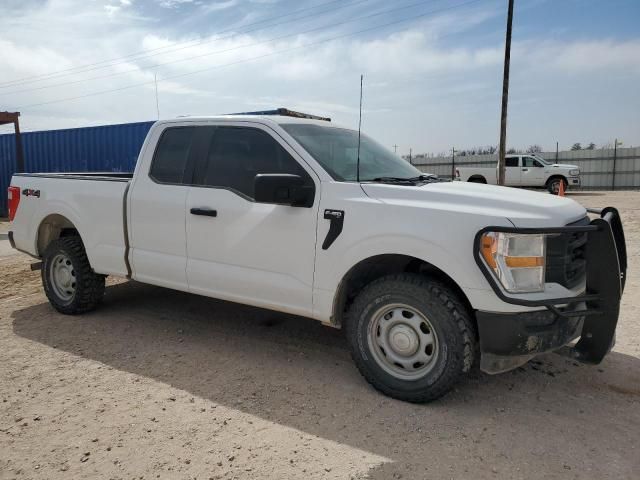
pixel 517 260
pixel 575 172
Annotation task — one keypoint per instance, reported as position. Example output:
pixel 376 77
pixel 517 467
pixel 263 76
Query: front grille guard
pixel 606 257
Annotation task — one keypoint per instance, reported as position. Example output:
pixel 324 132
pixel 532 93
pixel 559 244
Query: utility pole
pixel 453 163
pixel 615 157
pixel 410 151
pixel 505 97
pixel 395 149
pixel 556 152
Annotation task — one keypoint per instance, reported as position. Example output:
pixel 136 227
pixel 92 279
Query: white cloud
pixel 217 6
pixel 421 89
pixel 114 8
pixel 174 3
pixel 583 55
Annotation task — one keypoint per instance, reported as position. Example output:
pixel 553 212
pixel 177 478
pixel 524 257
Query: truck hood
pixel 563 166
pixel 523 208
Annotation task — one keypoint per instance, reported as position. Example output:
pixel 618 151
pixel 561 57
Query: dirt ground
pixel 161 384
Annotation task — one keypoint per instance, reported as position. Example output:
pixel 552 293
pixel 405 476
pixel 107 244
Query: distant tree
pixel 534 149
pixel 576 146
pixel 591 146
pixel 512 150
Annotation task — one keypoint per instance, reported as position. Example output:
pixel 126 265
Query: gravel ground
pixel 161 384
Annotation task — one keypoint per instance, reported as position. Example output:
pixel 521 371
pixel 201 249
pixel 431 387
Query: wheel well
pixel 52 228
pixel 372 268
pixel 552 177
pixel 477 179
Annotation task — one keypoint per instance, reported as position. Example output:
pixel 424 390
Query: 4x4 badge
pixel 29 192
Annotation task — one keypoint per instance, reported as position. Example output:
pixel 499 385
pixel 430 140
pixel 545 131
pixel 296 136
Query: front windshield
pixel 336 149
pixel 542 160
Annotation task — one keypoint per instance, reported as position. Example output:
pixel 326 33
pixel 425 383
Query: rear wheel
pixel 410 337
pixel 477 180
pixel 553 184
pixel 69 282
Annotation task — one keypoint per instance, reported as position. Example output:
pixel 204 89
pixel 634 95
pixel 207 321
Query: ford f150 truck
pixel 525 171
pixel 301 216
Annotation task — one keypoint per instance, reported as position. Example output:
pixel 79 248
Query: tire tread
pixel 412 284
pixel 90 286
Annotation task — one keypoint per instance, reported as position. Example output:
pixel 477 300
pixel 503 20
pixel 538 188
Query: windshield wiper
pixel 419 178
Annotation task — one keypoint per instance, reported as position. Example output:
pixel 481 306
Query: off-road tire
pixel 447 314
pixel 89 286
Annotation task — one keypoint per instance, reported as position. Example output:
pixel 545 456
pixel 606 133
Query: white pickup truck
pixel 273 210
pixel 525 171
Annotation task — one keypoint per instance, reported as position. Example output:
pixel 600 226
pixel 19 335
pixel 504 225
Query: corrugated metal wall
pixel 596 166
pixel 109 148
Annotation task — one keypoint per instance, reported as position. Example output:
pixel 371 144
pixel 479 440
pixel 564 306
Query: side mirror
pixel 282 189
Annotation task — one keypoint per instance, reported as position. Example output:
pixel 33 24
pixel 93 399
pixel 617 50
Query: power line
pixel 259 57
pixel 173 48
pixel 226 50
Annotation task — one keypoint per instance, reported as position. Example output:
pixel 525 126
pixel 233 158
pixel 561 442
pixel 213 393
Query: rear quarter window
pixel 172 152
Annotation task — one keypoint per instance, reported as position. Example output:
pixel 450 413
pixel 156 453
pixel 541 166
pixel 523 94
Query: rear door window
pixel 172 153
pixel 511 161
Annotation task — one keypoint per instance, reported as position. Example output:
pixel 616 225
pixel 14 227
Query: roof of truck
pixel 277 115
pixel 278 119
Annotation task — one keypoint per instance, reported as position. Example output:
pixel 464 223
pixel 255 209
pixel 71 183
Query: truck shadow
pixel 297 373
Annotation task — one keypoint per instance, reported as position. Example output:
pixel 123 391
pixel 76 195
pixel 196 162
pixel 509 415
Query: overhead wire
pixel 246 60
pixel 202 55
pixel 177 46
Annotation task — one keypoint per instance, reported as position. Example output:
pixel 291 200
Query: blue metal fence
pixel 108 148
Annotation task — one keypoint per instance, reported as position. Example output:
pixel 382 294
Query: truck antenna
pixel 155 80
pixel 359 125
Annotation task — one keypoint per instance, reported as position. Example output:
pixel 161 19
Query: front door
pixel 532 172
pixel 240 250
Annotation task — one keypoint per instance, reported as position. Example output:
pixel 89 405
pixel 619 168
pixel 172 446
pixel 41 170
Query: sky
pixel 432 68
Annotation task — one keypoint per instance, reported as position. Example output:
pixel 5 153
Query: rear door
pixel 157 209
pixel 512 171
pixel 241 250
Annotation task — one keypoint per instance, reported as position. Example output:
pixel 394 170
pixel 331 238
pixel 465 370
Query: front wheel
pixel 69 282
pixel 410 337
pixel 553 185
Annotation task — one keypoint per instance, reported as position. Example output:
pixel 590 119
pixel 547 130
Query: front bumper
pixel 573 181
pixel 509 340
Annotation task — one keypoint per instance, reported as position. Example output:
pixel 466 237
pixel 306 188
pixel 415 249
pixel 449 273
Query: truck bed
pixel 488 174
pixel 92 202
